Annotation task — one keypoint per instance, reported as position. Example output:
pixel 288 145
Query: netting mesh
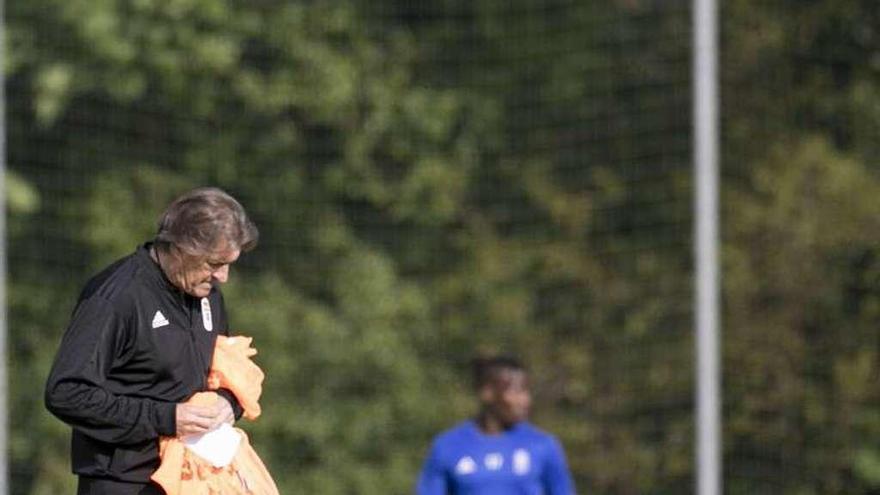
pixel 438 180
pixel 431 182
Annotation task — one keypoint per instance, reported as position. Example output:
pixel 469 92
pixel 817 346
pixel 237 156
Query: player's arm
pixel 432 479
pixel 556 477
pixel 75 391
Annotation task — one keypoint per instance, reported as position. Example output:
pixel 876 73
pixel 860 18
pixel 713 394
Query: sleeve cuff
pixel 165 417
pixel 236 407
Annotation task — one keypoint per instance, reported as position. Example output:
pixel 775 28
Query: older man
pixel 140 343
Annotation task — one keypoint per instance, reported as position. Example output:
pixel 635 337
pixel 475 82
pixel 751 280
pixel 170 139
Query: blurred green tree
pixel 435 180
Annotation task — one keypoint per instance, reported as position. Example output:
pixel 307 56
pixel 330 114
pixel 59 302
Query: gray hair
pixel 203 219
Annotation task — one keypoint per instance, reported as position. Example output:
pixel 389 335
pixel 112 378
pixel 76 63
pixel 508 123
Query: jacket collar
pixel 153 270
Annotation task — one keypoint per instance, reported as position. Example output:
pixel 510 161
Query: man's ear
pixel 486 394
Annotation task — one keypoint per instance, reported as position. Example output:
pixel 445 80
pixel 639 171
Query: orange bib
pixel 182 471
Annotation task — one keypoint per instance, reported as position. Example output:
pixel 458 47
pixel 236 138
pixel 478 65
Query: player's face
pixel 197 274
pixel 510 398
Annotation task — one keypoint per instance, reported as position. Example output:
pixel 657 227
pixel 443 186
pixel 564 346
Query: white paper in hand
pixel 217 446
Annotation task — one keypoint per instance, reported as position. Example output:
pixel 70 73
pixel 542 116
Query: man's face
pixel 196 275
pixel 507 396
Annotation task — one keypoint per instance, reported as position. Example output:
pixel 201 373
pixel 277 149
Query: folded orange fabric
pixel 182 471
pixel 233 370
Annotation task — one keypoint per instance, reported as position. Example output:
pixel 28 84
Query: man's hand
pixel 194 420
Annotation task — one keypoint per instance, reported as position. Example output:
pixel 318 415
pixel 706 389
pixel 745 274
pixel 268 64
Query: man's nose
pixel 221 274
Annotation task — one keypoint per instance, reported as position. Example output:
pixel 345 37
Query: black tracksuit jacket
pixel 135 347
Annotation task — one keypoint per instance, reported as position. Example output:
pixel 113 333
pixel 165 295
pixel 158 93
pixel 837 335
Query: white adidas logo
pixel 159 320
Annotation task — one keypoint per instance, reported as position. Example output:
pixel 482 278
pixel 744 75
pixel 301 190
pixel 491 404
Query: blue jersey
pixel 521 461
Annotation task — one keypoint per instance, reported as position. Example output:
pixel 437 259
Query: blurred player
pixel 498 452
